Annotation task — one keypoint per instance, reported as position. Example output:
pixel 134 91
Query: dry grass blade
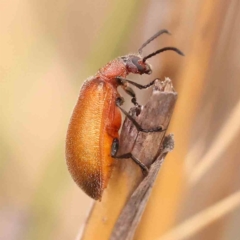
pixel 194 224
pixel 221 143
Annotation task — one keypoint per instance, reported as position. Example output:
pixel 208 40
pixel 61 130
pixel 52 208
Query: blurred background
pixel 48 48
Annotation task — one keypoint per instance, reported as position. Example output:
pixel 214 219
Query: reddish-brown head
pixel 136 63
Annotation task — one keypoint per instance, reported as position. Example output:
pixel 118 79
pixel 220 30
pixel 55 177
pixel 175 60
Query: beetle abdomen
pixel 88 144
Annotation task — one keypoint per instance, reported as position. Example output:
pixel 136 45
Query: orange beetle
pixel 92 137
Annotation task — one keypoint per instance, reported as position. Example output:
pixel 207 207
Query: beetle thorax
pixel 113 69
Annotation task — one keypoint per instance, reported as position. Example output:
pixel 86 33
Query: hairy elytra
pixel 92 137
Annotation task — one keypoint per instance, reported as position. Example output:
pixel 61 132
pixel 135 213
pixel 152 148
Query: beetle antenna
pixel 163 50
pixel 152 38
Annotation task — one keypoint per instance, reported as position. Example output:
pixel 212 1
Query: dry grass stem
pixel 133 210
pixel 197 222
pixel 221 143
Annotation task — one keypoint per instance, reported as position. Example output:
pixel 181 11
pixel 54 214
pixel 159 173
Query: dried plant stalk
pixel 127 178
pixel 132 212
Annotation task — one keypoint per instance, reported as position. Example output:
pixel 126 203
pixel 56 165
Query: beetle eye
pixel 139 67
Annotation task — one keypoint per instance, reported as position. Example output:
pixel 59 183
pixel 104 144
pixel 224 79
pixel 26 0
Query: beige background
pixel 48 48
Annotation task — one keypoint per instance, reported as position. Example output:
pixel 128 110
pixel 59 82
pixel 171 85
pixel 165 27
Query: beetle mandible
pixel 92 137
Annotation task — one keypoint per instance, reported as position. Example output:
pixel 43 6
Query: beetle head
pixel 135 63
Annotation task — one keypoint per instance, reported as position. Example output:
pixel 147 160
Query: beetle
pixel 92 136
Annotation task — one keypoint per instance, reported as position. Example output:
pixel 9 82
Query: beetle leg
pixel 124 80
pixel 115 147
pixel 129 91
pixel 114 150
pixel 119 102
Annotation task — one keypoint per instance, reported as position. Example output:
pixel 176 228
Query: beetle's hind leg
pixel 114 150
pixel 119 102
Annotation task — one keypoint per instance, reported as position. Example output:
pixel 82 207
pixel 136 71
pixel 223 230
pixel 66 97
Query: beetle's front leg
pixel 123 80
pixel 124 83
pixel 129 91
